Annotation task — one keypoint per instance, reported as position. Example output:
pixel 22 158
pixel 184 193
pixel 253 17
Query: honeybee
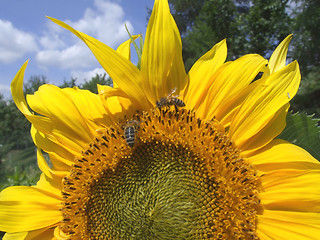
pixel 170 100
pixel 130 132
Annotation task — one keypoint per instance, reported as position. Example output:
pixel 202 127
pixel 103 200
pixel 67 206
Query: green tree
pixel 33 84
pixel 306 49
pixel 307 35
pixel 14 128
pixel 255 26
pixel 70 84
pixel 101 79
pixel 265 25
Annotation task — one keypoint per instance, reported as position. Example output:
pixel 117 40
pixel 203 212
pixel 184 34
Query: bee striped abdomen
pixel 170 101
pixel 129 134
pixel 131 131
pixel 178 102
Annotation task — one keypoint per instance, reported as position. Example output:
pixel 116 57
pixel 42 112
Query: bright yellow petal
pixel 73 115
pixel 107 91
pixel 50 101
pixel 19 99
pixel 288 225
pixel 60 157
pixel 15 236
pixel 41 234
pixel 50 185
pixel 116 102
pixel 291 193
pixel 291 190
pixel 120 69
pixel 280 154
pixel 27 209
pixel 231 105
pixel 161 61
pixel 124 48
pixel 278 57
pixel 54 175
pixel 201 73
pixel 272 129
pixel 290 183
pixel 91 108
pixel 41 122
pixel 263 104
pixel 229 81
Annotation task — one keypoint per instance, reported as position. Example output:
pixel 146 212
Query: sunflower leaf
pixel 303 130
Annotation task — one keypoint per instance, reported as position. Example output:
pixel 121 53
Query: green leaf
pixel 303 130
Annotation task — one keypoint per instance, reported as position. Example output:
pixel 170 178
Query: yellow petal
pixel 291 190
pixel 229 81
pixel 201 73
pixel 56 116
pixel 278 57
pixel 15 236
pixel 231 105
pixel 272 129
pixel 116 102
pixel 27 209
pixel 161 61
pixel 60 157
pixel 41 234
pixel 262 105
pixel 91 108
pixel 74 115
pixel 121 70
pixel 280 154
pixel 50 101
pixel 19 99
pixel 124 48
pixel 50 185
pixel 288 225
pixel 55 176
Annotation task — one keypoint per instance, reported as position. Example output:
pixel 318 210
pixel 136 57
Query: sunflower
pixel 164 154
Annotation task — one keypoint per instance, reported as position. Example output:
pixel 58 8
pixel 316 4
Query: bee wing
pixel 172 92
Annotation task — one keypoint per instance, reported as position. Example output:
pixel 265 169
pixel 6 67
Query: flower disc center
pixel 182 179
pixel 153 194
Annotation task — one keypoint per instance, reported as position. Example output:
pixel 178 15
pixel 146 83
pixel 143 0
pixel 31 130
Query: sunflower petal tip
pixel 288 38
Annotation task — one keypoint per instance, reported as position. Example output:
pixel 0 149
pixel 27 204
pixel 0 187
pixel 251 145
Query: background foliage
pixel 250 26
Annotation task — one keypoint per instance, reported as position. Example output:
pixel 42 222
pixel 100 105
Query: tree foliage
pixel 101 79
pixel 14 128
pixel 34 83
pixel 307 34
pixel 255 26
pixel 306 49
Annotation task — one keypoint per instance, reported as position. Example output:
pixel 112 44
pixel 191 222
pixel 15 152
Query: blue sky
pixel 25 33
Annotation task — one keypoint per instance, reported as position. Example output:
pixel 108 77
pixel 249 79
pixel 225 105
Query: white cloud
pixel 106 23
pixel 60 48
pixel 52 36
pixel 5 91
pixel 14 43
pixel 73 57
pixel 82 76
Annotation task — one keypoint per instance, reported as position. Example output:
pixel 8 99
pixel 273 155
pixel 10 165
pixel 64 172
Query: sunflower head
pixel 164 154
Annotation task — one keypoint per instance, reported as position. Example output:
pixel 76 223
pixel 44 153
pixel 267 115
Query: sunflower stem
pixel 138 50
